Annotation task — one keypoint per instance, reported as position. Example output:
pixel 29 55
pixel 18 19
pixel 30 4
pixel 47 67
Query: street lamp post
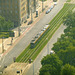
pixel 47 46
pixel 19 30
pixel 31 16
pixel 34 5
pixel 33 68
pixel 2 45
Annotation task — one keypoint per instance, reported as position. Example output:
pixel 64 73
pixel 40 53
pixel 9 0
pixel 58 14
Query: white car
pixel 55 3
pixel 52 7
pixel 52 52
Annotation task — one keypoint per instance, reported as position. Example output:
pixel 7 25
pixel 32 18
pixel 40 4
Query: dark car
pixel 30 22
pixel 47 12
pixel 25 21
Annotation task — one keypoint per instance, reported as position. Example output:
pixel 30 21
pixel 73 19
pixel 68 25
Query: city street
pixel 23 43
pixel 37 64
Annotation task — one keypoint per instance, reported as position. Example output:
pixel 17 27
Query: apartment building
pixel 16 10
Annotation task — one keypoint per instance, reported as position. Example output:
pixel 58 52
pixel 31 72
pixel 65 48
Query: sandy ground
pixel 13 68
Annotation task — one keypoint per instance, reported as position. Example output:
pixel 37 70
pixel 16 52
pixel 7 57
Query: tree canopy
pixel 5 25
pixel 5 28
pixel 69 20
pixel 54 61
pixel 68 70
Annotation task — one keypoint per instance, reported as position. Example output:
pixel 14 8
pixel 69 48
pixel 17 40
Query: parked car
pixel 30 22
pixel 52 7
pixel 52 52
pixel 47 12
pixel 55 3
pixel 25 21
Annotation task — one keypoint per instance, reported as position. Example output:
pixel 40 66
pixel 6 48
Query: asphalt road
pixel 23 43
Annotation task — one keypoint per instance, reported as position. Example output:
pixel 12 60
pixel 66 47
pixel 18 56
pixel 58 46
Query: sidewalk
pixel 24 28
pixel 13 68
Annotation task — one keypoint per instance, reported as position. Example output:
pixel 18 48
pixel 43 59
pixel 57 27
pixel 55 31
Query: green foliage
pixel 53 60
pixel 48 70
pixel 67 56
pixel 68 0
pixel 65 46
pixel 4 34
pixel 62 43
pixel 54 0
pixel 5 25
pixel 43 0
pixel 68 70
pixel 69 19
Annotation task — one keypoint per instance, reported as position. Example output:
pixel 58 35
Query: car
pixel 55 3
pixel 52 7
pixel 47 12
pixel 30 22
pixel 25 21
pixel 52 52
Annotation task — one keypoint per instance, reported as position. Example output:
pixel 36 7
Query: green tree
pixel 5 25
pixel 62 43
pixel 69 20
pixel 67 56
pixel 53 60
pixel 48 70
pixel 68 70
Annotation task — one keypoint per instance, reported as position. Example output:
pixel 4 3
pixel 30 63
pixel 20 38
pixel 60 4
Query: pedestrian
pixel 21 70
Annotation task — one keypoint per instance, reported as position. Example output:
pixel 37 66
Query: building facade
pixel 16 10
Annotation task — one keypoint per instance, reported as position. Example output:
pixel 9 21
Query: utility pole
pixel 42 6
pixel 47 48
pixel 33 68
pixel 34 5
pixel 19 29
